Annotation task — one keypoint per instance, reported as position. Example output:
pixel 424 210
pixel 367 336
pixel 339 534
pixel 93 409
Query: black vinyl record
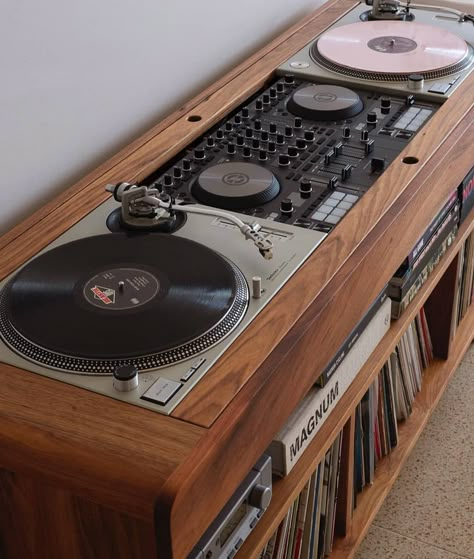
pixel 117 297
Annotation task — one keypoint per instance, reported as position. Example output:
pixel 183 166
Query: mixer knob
pixel 259 105
pixel 280 139
pixel 257 124
pixel 210 142
pixel 199 154
pixel 177 173
pixel 369 146
pixel 283 160
pixel 264 135
pixel 219 134
pixel 364 135
pixel 372 118
pixel 262 155
pixel 280 87
pixel 385 105
pixel 289 80
pixel 332 183
pixel 273 93
pixel 377 164
pixel 416 82
pixel 125 378
pixel 298 122
pixel 237 119
pixel 271 147
pixel 229 126
pixel 346 172
pixel 346 132
pixel 300 143
pixel 286 206
pixel 272 128
pixel 231 149
pixel 186 164
pixel 305 188
pixel 266 99
pixel 167 180
pixel 338 148
pixel 245 113
pixel 247 152
pixel 288 131
pixel 309 135
pixel 256 143
pixel 240 141
pixel 248 133
pixel 292 151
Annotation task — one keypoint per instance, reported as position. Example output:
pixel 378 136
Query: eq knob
pixel 256 143
pixel 280 139
pixel 309 135
pixel 273 93
pixel 371 119
pixel 219 134
pixel 271 147
pixel 229 126
pixel 346 132
pixel 257 124
pixel 240 141
pixel 283 160
pixel 385 105
pixel 259 105
pixel 248 133
pixel 245 113
pixel 210 142
pixel 231 148
pixel 289 80
pixel 125 378
pixel 177 173
pixel 280 87
pixel 199 154
pixel 288 131
pixel 300 143
pixel 262 155
pixel 292 151
pixel 272 128
pixel 286 206
pixel 305 188
pixel 247 152
pixel 264 135
pixel 186 165
pixel 237 119
pixel 266 99
pixel 298 122
pixel 167 180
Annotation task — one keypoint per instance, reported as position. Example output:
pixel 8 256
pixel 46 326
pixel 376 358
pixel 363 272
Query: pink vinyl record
pixel 392 47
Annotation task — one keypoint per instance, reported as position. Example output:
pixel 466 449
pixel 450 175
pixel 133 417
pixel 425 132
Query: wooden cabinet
pixel 88 477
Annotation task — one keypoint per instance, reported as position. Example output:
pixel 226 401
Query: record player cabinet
pixel 84 476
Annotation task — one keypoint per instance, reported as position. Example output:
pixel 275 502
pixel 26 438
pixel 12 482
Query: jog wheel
pixel 325 102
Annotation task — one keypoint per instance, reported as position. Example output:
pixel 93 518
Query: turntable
pixel 428 51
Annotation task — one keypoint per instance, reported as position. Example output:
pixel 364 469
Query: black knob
pixel 272 128
pixel 309 135
pixel 210 142
pixel 377 164
pixel 177 173
pixel 199 154
pixel 288 131
pixel 280 139
pixel 346 172
pixel 245 112
pixel 364 135
pixel 283 160
pixel 247 152
pixel 372 118
pixel 332 183
pixel 292 151
pixel 346 132
pixel 298 122
pixel 125 378
pixel 271 147
pixel 262 155
pixel 186 164
pixel 240 141
pixel 248 133
pixel 369 146
pixel 300 143
pixel 264 135
pixel 280 87
pixel 256 143
pixel 289 80
pixel 305 188
pixel 231 149
pixel 258 105
pixel 286 206
pixel 237 119
pixel 167 180
pixel 385 105
pixel 229 126
pixel 257 124
pixel 219 134
pixel 273 93
pixel 266 99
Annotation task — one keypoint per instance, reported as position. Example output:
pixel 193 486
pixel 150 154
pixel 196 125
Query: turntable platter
pixel 150 300
pixel 394 49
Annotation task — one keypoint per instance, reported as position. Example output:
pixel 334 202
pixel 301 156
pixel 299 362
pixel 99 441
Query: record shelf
pixel 93 478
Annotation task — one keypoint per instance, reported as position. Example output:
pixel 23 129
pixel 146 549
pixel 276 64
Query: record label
pixel 120 289
pixel 392 45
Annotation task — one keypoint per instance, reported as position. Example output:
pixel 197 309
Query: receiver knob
pixel 125 378
pixel 260 496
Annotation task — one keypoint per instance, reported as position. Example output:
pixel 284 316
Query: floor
pixel 429 513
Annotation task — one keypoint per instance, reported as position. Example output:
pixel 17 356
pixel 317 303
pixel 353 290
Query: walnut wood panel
pixel 109 452
pixel 39 521
pixel 435 381
pixel 206 402
pixel 164 141
pixel 286 489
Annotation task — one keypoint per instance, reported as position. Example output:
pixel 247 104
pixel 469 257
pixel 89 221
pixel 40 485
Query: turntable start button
pixel 162 391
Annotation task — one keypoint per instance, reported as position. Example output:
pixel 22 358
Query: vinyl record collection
pixel 389 400
pixel 464 290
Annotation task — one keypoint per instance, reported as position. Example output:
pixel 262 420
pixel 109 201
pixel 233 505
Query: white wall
pixel 79 80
